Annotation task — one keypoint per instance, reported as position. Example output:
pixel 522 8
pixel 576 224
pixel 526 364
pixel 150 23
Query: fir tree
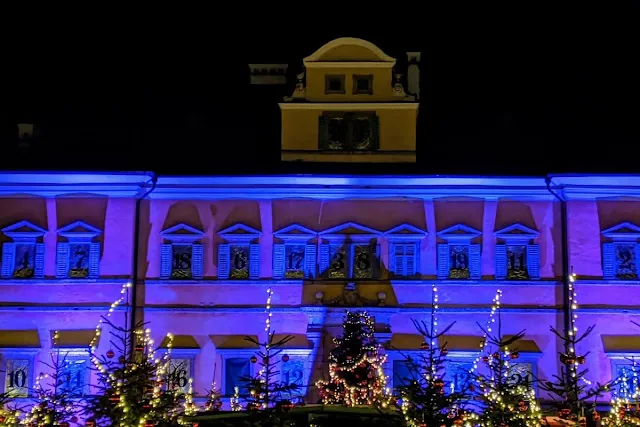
pixel 506 394
pixel 264 388
pixel 213 401
pixel 355 371
pixel 135 388
pixel 55 403
pixel 9 414
pixel 423 393
pixel 574 396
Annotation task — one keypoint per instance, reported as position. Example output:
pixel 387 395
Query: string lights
pixel 356 376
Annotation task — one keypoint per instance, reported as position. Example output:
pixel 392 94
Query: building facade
pixel 205 250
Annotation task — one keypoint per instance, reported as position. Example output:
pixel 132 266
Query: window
pixel 350 251
pixel 240 258
pixel 349 131
pixel 24 257
pixel 624 366
pixel 404 250
pixel 236 365
pixel 295 368
pixel 362 84
pixel 16 371
pixel 181 258
pixel 458 258
pixel 79 256
pixel 334 84
pixel 295 258
pixel 457 370
pixel 517 258
pixel 75 370
pixel 620 257
pixel 181 368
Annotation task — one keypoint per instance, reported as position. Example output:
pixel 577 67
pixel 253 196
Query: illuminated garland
pixel 235 400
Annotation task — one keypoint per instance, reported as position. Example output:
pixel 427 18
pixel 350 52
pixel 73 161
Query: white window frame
pixel 184 353
pixel 12 353
pixel 404 234
pixel 75 353
pixel 226 354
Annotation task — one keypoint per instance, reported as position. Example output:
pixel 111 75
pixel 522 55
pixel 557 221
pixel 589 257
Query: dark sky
pixel 504 91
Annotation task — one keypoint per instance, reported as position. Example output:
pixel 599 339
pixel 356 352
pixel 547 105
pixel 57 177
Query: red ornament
pixel 110 354
pixel 2 419
pixel 496 355
pixel 265 360
pixel 515 355
pixel 581 360
pixel 139 348
pixel 444 352
pixel 253 359
pixel 438 383
pixel 285 358
pixel 485 359
pixel 90 422
pixel 424 346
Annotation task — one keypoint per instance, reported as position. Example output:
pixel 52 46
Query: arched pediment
pixel 349 49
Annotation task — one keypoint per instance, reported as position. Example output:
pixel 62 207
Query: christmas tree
pixel 355 371
pixel 214 401
pixel 54 404
pixel 135 388
pixel 506 394
pixel 574 396
pixel 424 400
pixel 264 388
pixel 9 414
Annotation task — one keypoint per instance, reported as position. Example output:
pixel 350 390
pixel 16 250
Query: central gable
pixel 349 49
pixel 349 230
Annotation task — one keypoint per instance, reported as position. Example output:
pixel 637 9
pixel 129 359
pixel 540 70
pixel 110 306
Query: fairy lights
pixel 235 400
pixel 355 371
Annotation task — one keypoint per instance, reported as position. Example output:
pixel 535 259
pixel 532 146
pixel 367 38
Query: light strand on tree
pixel 495 306
pixel 235 400
pixel 434 325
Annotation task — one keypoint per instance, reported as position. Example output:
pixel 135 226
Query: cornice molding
pixel 63 282
pixel 349 106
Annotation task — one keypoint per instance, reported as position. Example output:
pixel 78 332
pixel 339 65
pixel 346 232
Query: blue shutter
pixel 392 259
pixel 411 253
pixel 224 253
pixel 8 259
pixel 197 261
pixel 501 262
pixel 475 266
pixel 310 256
pixel 94 260
pixel 254 261
pixel 324 258
pixel 278 261
pixel 443 260
pixel 165 260
pixel 638 260
pixel 609 261
pixel 533 261
pixel 39 264
pixel 62 260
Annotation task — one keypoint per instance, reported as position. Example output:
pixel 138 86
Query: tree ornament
pixel 253 359
pixel 515 355
pixel 110 354
pixel 424 346
pixel 444 352
pixel 581 360
pixel 139 348
pixel 285 358
pixel 74 419
pixel 122 360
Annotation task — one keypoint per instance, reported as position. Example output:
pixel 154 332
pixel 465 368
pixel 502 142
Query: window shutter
pixel 165 260
pixel 8 259
pixel 324 259
pixel 474 262
pixel 62 260
pixel 94 260
pixel 39 262
pixel 411 257
pixel 608 260
pixel 197 261
pixel 278 261
pixel 323 133
pixel 533 261
pixel 224 253
pixel 638 260
pixel 501 262
pixel 443 261
pixel 310 255
pixel 254 261
pixel 375 133
pixel 392 259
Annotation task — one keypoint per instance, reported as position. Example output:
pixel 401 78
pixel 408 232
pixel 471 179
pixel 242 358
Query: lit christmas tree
pixel 9 414
pixel 355 371
pixel 424 396
pixel 573 394
pixel 135 388
pixel 54 404
pixel 506 394
pixel 264 388
pixel 214 401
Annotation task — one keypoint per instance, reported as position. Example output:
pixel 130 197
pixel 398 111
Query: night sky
pixel 504 92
